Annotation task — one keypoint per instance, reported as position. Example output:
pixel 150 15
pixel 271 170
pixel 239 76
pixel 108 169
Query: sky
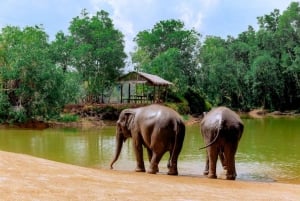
pixel 208 17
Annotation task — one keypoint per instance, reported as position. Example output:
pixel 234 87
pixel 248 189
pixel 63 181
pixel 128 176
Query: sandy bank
pixel 24 178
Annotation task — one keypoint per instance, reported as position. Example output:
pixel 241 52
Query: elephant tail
pixel 216 137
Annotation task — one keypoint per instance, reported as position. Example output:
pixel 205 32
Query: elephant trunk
pixel 119 141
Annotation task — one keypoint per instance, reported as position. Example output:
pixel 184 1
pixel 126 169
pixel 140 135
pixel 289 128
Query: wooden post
pixel 154 94
pixel 121 93
pixel 128 92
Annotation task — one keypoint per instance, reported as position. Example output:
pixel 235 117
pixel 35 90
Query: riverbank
pixel 25 178
pixel 99 119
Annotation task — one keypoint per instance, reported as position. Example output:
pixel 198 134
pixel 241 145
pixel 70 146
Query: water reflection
pixel 268 150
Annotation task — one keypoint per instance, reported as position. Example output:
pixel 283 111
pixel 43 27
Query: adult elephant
pixel 158 128
pixel 221 129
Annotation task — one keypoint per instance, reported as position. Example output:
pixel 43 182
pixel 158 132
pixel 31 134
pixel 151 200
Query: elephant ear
pixel 129 119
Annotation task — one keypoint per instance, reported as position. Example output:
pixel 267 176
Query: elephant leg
pixel 223 159
pixel 138 150
pixel 212 157
pixel 149 151
pixel 205 172
pixel 172 165
pixel 174 153
pixel 154 162
pixel 169 161
pixel 229 153
pixel 150 155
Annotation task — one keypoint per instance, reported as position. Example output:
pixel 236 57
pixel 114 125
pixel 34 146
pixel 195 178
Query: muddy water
pixel 269 149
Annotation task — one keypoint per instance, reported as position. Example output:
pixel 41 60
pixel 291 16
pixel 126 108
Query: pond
pixel 268 151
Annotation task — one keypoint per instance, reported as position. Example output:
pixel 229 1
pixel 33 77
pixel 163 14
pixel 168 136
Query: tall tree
pixel 213 56
pixel 32 86
pixel 288 36
pixel 61 50
pixel 256 69
pixel 170 51
pixel 98 54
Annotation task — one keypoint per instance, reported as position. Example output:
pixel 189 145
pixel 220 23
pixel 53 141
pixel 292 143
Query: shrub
pixel 17 114
pixel 68 118
pixel 181 108
pixel 196 101
pixel 4 107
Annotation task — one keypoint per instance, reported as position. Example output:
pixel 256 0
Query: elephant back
pixel 221 118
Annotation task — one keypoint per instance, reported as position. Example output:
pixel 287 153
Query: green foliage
pixel 61 50
pixel 195 101
pixel 4 106
pixel 68 118
pixel 97 52
pixel 169 51
pixel 32 85
pixel 17 114
pixel 182 108
pixel 256 69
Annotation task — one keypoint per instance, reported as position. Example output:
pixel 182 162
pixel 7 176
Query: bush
pixel 181 108
pixel 4 107
pixel 17 114
pixel 68 118
pixel 196 101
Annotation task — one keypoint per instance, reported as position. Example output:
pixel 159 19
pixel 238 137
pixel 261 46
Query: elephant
pixel 156 127
pixel 222 130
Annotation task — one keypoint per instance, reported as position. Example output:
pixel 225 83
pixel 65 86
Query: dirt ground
pixel 24 177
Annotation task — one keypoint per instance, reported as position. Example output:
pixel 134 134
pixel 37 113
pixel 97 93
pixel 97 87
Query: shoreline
pixel 92 122
pixel 24 177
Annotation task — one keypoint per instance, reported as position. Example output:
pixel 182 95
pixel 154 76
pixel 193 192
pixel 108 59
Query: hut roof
pixel 140 77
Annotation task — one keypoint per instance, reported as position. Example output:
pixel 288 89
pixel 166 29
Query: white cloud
pixel 194 12
pixel 189 16
pixel 132 16
pixel 122 13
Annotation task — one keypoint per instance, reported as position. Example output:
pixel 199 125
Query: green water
pixel 268 151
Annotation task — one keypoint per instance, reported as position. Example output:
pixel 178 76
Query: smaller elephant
pixel 156 127
pixel 222 130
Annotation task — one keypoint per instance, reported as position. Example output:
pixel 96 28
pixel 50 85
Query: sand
pixel 24 177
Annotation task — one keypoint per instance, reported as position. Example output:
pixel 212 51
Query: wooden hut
pixel 138 84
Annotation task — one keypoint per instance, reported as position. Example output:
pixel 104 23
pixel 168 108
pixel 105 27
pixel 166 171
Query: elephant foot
pixel 153 170
pixel 205 172
pixel 172 169
pixel 212 176
pixel 230 177
pixel 173 172
pixel 140 169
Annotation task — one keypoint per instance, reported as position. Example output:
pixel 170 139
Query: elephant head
pixel 123 131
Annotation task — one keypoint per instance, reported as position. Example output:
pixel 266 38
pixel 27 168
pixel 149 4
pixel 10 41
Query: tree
pixel 256 69
pixel 267 82
pixel 213 55
pixel 98 53
pixel 61 50
pixel 288 35
pixel 32 86
pixel 170 51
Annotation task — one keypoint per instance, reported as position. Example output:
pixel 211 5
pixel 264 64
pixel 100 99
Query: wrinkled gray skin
pixel 221 129
pixel 158 128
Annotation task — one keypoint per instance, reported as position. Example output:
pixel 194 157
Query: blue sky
pixel 208 17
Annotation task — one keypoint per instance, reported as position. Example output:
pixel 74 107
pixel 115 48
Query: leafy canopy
pixel 32 86
pixel 97 52
pixel 170 51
